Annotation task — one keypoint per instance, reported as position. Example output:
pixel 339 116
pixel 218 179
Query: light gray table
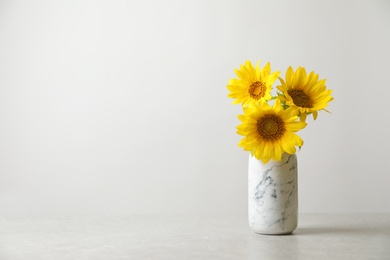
pixel 358 236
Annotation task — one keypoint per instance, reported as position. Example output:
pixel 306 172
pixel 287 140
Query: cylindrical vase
pixel 273 195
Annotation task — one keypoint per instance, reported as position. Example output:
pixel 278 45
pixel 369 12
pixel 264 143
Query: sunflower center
pixel 300 98
pixel 257 90
pixel 271 127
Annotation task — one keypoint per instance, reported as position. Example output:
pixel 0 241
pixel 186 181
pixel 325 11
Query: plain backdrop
pixel 121 107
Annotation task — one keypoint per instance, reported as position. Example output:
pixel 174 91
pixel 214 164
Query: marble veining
pixel 273 195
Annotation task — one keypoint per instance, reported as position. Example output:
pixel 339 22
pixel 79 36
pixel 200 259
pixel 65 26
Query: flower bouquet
pixel 269 134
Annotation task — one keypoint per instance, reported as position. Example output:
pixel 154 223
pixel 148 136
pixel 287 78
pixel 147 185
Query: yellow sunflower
pixel 253 84
pixel 304 93
pixel 269 131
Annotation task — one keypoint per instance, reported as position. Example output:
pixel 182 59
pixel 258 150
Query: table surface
pixel 318 236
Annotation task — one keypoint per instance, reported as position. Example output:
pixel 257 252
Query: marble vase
pixel 273 195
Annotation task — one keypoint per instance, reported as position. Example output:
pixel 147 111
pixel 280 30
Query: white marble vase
pixel 273 195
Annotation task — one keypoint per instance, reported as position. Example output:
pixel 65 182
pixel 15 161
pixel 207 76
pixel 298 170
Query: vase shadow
pixel 340 230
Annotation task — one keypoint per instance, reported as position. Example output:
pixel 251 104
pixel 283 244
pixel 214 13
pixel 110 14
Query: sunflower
pixel 253 84
pixel 304 93
pixel 269 131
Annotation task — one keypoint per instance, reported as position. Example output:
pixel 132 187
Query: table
pixel 318 236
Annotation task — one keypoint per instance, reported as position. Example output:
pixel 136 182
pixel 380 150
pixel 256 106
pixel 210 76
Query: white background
pixel 121 107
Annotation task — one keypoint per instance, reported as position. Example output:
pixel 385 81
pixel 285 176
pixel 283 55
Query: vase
pixel 273 195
